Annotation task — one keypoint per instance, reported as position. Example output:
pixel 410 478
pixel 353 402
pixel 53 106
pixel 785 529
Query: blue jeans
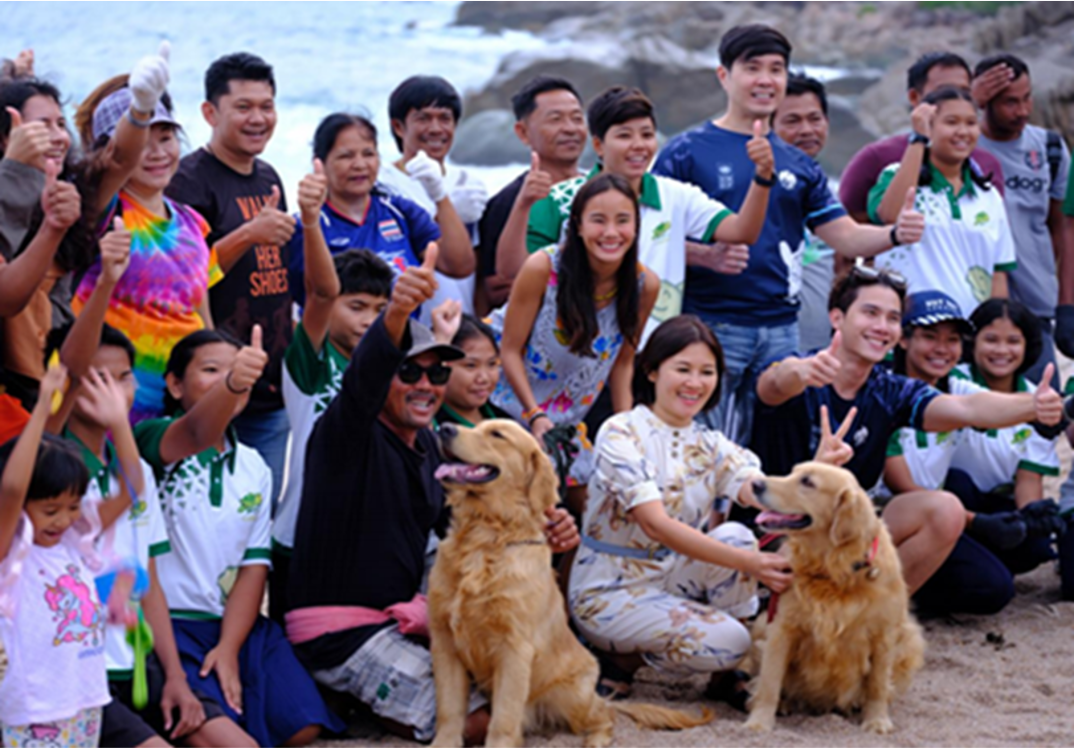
pixel 267 433
pixel 746 351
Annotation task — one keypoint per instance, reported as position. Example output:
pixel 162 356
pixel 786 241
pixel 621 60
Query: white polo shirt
pixel 929 454
pixel 136 536
pixel 967 238
pixel 218 516
pixel 993 457
pixel 311 380
pixel 671 212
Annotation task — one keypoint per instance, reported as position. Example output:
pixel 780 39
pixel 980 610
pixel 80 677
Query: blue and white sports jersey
pixel 766 294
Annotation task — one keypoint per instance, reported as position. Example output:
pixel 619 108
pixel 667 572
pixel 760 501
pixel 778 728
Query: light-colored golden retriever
pixel 843 637
pixel 495 611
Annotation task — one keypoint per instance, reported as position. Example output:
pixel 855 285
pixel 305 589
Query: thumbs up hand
pixel 60 201
pixel 429 174
pixel 823 367
pixel 312 193
pixel 149 78
pixel 760 151
pixel 271 225
pixel 115 253
pixel 249 364
pixel 536 185
pixel 27 142
pixel 1046 401
pixel 417 284
pixel 910 226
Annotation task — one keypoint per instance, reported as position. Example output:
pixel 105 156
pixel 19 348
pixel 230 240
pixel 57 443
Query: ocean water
pixel 327 57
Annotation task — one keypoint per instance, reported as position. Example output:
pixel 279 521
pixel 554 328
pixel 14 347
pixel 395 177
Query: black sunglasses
pixel 885 275
pixel 410 373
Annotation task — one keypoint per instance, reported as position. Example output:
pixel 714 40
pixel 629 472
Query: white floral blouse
pixel 639 458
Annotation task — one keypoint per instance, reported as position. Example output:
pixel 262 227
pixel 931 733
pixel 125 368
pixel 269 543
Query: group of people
pixel 671 325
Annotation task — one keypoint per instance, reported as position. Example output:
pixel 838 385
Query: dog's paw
pixel 760 723
pixel 879 725
pixel 443 740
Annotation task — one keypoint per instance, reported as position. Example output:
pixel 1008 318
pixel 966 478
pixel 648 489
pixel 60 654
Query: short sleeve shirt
pixel 1029 193
pixel 992 457
pixel 311 379
pixel 217 511
pixel 671 212
pixel 766 293
pixel 967 238
pixel 787 434
pixel 394 228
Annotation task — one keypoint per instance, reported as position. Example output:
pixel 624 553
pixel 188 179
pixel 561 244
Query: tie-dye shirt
pixel 155 303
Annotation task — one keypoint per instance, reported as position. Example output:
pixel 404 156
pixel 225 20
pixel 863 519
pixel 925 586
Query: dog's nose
pixel 758 487
pixel 448 431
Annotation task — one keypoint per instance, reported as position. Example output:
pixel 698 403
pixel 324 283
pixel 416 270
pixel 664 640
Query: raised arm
pixel 456 258
pixel 851 239
pixel 270 226
pixel 994 410
pixel 511 250
pixel 745 226
pixel 788 378
pixel 204 424
pixel 522 308
pixel 909 170
pixel 15 481
pixel 322 282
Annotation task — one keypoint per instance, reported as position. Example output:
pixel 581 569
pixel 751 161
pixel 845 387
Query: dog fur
pixel 843 637
pixel 495 610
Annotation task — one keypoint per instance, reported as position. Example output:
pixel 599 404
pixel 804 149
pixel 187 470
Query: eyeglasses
pixel 885 275
pixel 410 373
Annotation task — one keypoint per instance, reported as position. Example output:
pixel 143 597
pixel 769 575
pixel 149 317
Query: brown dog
pixel 842 637
pixel 495 611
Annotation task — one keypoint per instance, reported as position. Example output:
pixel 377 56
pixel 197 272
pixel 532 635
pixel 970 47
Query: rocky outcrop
pixel 670 51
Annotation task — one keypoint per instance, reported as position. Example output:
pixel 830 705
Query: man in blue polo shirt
pixel 865 309
pixel 754 310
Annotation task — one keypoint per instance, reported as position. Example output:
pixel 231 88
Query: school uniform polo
pixel 311 380
pixel 992 457
pixel 671 212
pixel 216 509
pixel 136 537
pixel 967 238
pixel 929 454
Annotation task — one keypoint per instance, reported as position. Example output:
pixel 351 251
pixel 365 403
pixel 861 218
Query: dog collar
pixel 869 558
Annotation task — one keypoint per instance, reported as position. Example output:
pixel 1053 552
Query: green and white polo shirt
pixel 311 380
pixel 993 457
pixel 967 239
pixel 929 454
pixel 671 212
pixel 137 535
pixel 217 510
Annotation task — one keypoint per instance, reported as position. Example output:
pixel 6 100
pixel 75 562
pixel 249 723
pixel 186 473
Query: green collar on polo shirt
pixel 650 190
pixel 940 183
pixel 215 460
pixel 100 472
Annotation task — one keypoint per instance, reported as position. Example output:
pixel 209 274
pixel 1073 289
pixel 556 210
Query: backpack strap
pixel 1054 153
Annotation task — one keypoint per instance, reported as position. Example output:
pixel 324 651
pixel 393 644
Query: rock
pixel 488 139
pixel 528 16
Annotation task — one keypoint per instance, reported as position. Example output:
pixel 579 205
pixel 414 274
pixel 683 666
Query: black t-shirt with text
pixel 255 290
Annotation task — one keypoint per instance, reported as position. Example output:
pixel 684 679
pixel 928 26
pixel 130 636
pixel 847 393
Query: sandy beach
pixel 997 680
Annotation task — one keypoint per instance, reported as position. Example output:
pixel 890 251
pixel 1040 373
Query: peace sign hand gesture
pixel 832 449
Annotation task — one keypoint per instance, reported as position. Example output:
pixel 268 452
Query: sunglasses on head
pixel 884 275
pixel 411 372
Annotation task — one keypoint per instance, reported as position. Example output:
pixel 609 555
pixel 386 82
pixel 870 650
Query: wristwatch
pixel 917 137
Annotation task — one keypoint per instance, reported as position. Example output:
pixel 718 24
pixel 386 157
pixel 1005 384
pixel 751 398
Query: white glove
pixel 469 197
pixel 427 171
pixel 149 78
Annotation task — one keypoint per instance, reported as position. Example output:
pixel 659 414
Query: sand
pixel 996 680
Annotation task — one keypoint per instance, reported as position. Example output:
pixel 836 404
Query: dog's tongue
pixel 460 472
pixel 769 517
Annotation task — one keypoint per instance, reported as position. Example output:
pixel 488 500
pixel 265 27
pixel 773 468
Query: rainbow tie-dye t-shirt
pixel 155 303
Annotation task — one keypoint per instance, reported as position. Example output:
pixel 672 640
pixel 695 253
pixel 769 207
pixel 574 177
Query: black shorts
pixel 123 726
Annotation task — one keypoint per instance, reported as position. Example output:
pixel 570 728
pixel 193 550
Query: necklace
pixel 605 296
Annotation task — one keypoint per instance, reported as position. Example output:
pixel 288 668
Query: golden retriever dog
pixel 495 610
pixel 842 637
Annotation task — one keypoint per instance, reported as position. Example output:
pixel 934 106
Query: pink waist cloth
pixel 306 624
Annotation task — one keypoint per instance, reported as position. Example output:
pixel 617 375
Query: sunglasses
pixel 411 373
pixel 884 275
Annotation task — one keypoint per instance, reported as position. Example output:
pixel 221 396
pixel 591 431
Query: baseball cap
pixel 114 107
pixel 927 308
pixel 422 340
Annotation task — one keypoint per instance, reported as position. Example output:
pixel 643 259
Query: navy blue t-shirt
pixel 766 294
pixel 394 228
pixel 788 434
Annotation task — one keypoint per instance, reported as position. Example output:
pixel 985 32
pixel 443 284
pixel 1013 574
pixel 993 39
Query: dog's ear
pixel 544 484
pixel 851 515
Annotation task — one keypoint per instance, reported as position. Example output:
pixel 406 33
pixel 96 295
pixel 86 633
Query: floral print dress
pixel 564 384
pixel 680 614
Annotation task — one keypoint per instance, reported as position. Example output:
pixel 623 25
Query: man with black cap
pixel 369 502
